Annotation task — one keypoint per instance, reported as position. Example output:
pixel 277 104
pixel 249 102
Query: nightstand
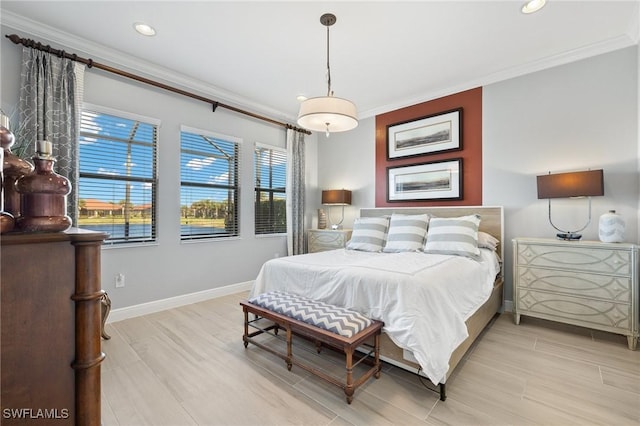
pixel 327 239
pixel 585 283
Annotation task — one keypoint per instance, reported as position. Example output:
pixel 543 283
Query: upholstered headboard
pixel 492 217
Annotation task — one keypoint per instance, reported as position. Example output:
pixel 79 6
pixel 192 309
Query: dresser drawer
pixel 588 313
pixel 606 261
pixel 322 240
pixel 606 287
pixel 326 238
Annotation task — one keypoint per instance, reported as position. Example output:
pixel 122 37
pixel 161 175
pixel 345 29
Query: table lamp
pixel 336 197
pixel 571 185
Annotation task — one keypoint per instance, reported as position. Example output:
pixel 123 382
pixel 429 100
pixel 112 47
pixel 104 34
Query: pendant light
pixel 327 113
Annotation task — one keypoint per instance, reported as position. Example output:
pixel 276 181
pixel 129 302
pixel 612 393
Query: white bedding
pixel 423 299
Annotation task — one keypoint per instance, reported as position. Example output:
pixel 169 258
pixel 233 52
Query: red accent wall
pixel 471 103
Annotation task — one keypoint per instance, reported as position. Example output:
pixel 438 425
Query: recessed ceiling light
pixel 533 6
pixel 144 29
pixel 301 98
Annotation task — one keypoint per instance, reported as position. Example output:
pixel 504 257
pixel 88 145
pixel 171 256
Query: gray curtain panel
pixel 50 101
pixel 295 192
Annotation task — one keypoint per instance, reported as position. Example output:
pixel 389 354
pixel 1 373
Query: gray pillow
pixel 368 234
pixel 455 235
pixel 406 233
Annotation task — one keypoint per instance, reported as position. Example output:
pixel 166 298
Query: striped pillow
pixel 456 235
pixel 368 234
pixel 406 233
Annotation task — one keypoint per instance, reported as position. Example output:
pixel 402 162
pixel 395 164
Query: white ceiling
pixel 384 55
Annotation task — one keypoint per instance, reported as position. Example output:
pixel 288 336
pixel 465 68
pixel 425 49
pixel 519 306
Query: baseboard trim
pixel 174 302
pixel 508 306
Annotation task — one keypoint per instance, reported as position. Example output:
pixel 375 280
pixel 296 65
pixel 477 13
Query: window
pixel 208 185
pixel 270 166
pixel 117 175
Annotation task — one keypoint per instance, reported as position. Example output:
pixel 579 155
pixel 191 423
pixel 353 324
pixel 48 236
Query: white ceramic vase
pixel 611 227
pixel 322 219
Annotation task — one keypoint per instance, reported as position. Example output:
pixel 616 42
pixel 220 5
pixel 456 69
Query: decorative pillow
pixel 368 234
pixel 455 235
pixel 406 233
pixel 487 241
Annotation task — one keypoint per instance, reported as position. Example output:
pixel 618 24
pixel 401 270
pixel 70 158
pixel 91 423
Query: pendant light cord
pixel 328 67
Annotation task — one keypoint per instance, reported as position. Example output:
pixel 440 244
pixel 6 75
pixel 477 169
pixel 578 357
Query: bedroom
pixel 568 101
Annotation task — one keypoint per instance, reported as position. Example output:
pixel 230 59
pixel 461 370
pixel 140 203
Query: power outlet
pixel 119 280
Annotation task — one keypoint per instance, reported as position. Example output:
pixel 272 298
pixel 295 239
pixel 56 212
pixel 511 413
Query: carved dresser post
pixel 88 307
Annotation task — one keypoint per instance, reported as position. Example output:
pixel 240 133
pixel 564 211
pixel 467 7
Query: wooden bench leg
pixel 348 390
pixel 376 349
pixel 289 351
pixel 245 337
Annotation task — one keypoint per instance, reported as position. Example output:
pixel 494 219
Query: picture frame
pixel 437 180
pixel 426 135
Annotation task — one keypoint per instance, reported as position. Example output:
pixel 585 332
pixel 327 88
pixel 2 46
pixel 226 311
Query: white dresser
pixel 327 239
pixel 585 283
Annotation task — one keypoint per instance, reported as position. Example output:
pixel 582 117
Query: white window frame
pixel 227 138
pixel 153 239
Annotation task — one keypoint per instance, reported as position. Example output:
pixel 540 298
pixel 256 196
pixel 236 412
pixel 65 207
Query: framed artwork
pixel 426 135
pixel 438 180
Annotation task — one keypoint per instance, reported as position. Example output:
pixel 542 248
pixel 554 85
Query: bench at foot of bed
pixel 322 323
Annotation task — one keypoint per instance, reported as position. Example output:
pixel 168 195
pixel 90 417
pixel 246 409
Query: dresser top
pixel 578 243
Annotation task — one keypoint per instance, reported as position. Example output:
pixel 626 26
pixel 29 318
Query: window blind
pixel 117 176
pixel 209 190
pixel 270 169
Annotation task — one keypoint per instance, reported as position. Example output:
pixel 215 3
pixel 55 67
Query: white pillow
pixel 406 233
pixel 487 241
pixel 455 235
pixel 368 234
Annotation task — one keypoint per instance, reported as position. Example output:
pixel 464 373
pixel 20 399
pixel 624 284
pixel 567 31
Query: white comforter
pixel 423 299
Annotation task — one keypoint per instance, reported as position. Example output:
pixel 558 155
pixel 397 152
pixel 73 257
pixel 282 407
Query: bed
pixel 434 305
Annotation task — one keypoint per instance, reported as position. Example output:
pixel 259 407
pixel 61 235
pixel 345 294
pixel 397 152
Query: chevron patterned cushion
pixel 319 314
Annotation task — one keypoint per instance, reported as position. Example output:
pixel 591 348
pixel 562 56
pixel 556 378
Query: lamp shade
pixel 327 113
pixel 573 184
pixel 336 196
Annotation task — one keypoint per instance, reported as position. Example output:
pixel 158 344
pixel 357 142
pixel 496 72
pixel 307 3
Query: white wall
pixel 573 117
pixel 347 160
pixel 170 267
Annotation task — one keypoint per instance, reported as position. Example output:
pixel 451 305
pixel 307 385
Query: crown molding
pixel 574 55
pixel 62 40
pixel 150 70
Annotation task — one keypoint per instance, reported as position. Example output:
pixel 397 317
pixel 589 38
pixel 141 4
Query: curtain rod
pixel 16 39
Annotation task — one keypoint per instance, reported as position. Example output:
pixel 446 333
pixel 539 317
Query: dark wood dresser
pixel 50 318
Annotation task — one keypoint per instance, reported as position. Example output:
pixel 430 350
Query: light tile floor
pixel 188 366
